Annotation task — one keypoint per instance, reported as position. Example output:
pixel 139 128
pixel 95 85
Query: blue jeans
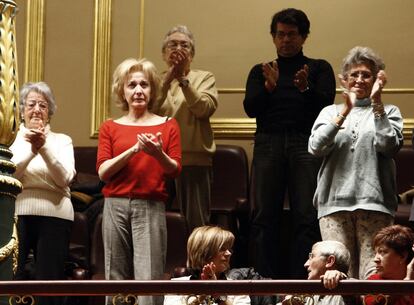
pixel 281 163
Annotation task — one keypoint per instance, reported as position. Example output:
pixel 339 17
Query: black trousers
pixel 48 239
pixel 281 163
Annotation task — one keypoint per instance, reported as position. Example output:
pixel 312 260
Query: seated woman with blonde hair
pixel 208 257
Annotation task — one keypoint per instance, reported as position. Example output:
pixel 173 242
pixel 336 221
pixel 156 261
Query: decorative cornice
pixel 101 64
pixel 244 128
pixel 233 128
pixel 338 91
pixel 35 29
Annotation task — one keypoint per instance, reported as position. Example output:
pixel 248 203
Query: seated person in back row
pixel 394 260
pixel 208 256
pixel 329 261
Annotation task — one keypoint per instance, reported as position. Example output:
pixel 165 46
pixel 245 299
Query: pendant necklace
pixel 362 111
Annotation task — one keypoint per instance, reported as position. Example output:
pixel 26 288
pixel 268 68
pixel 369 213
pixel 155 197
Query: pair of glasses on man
pixel 311 255
pixel 43 106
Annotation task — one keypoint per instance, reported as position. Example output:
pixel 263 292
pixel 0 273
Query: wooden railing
pixel 249 287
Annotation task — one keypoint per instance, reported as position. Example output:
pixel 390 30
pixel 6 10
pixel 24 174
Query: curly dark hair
pixel 291 16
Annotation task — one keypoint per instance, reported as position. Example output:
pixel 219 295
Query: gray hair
pixel 337 249
pixel 362 56
pixel 41 88
pixel 183 30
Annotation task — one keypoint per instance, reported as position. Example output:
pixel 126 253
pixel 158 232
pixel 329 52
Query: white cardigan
pixel 45 176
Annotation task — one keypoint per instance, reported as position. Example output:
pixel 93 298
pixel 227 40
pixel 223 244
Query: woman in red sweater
pixel 136 152
pixel 394 259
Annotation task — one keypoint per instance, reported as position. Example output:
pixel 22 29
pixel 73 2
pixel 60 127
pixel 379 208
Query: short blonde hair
pixel 204 243
pixel 120 76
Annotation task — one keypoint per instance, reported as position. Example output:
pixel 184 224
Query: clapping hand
pixel 209 272
pixel 301 78
pixel 150 143
pixel 36 137
pixel 378 85
pixel 271 75
pixel 350 99
pixel 179 62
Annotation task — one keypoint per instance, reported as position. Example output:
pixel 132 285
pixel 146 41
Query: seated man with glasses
pixel 190 96
pixel 329 261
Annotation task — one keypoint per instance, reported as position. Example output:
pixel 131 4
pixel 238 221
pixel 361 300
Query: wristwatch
pixel 220 299
pixel 183 82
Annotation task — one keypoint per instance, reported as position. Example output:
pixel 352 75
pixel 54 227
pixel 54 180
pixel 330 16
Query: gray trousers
pixel 135 242
pixel 193 188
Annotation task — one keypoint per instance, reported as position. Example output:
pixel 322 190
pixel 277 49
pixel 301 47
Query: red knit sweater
pixel 394 299
pixel 143 177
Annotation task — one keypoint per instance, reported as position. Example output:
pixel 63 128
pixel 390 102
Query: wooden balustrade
pixel 250 287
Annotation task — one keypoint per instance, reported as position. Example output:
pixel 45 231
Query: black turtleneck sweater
pixel 286 108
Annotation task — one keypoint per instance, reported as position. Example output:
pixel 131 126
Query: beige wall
pixel 231 36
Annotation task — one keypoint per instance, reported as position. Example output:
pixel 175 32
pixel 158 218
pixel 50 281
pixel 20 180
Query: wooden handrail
pixel 250 287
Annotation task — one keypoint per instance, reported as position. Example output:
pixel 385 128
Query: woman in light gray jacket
pixel 356 192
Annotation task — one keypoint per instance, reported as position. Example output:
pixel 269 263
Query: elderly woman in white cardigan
pixel 45 166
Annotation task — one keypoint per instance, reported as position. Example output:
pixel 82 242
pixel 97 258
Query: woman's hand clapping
pixel 378 85
pixel 209 272
pixel 150 143
pixel 36 137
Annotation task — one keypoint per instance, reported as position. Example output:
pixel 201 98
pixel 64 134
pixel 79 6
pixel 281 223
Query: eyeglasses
pixel 311 255
pixel 290 35
pixel 43 106
pixel 365 75
pixel 174 44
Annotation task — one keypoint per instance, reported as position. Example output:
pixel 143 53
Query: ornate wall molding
pixel 141 29
pixel 35 40
pixel 101 64
pixel 244 128
pixel 338 91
